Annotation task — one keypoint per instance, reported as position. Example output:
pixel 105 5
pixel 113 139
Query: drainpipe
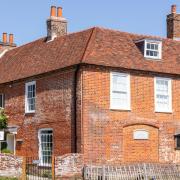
pixel 75 108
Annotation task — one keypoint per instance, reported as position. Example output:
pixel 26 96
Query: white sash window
pixel 120 91
pixel 30 96
pixel 163 95
pixel 153 49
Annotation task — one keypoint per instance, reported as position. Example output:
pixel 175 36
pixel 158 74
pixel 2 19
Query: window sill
pixel 165 112
pixel 29 113
pixel 118 109
pixel 153 59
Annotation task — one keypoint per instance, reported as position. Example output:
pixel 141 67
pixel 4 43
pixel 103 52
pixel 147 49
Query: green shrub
pixel 3 119
pixel 6 151
pixel 4 145
pixel 8 178
pixel 47 174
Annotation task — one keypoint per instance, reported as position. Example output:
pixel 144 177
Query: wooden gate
pixel 38 170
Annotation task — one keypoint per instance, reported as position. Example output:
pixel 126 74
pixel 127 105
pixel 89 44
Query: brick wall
pixel 10 166
pixel 101 132
pixel 140 150
pixel 54 108
pixel 105 129
pixel 69 166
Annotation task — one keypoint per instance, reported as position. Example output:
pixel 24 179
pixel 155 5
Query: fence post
pixel 24 169
pixel 53 167
pixel 145 172
pixel 84 172
pixel 103 173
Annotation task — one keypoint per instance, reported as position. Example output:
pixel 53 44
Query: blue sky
pixel 26 19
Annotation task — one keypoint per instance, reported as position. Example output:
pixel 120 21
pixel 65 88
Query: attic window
pixel 152 49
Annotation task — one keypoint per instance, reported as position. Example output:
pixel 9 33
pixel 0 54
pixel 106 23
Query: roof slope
pixel 93 46
pixel 40 57
pixel 118 49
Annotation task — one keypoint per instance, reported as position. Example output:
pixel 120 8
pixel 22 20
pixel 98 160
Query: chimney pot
pixel 59 12
pixel 53 11
pixel 5 38
pixel 11 39
pixel 56 24
pixel 173 9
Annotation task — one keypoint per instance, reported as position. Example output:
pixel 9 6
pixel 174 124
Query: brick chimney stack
pixel 173 24
pixel 56 24
pixel 7 43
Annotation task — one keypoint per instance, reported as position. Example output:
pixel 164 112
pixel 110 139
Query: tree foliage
pixel 3 119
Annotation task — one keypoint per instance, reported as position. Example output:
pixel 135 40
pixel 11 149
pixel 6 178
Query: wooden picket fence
pixel 145 171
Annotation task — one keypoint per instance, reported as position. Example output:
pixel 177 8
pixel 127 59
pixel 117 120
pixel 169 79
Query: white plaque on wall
pixel 1 135
pixel 141 134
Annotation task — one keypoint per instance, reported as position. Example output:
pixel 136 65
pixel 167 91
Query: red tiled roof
pixel 93 46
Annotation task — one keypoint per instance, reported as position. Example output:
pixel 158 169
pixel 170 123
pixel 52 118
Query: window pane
pixel 148 46
pixel 152 46
pixel 156 47
pixel 151 53
pixel 119 83
pixel 155 53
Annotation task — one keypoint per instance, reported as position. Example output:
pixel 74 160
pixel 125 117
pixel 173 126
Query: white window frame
pixel 26 95
pixel 157 109
pixel 128 91
pixel 2 100
pixel 159 43
pixel 39 141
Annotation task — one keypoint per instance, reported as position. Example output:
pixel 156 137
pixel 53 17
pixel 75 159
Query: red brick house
pixel 111 95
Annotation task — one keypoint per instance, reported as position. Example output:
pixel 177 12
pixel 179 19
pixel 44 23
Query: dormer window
pixel 152 49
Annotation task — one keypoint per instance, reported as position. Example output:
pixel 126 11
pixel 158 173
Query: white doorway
pixel 11 142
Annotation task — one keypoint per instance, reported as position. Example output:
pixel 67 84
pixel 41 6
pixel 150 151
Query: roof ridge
pixel 88 42
pixel 136 34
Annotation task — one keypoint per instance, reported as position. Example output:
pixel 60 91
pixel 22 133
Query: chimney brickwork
pixel 7 43
pixel 173 24
pixel 56 24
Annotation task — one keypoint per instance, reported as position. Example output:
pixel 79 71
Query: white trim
pixel 3 53
pixel 128 91
pixel 159 43
pixel 39 143
pixel 26 91
pixel 169 94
